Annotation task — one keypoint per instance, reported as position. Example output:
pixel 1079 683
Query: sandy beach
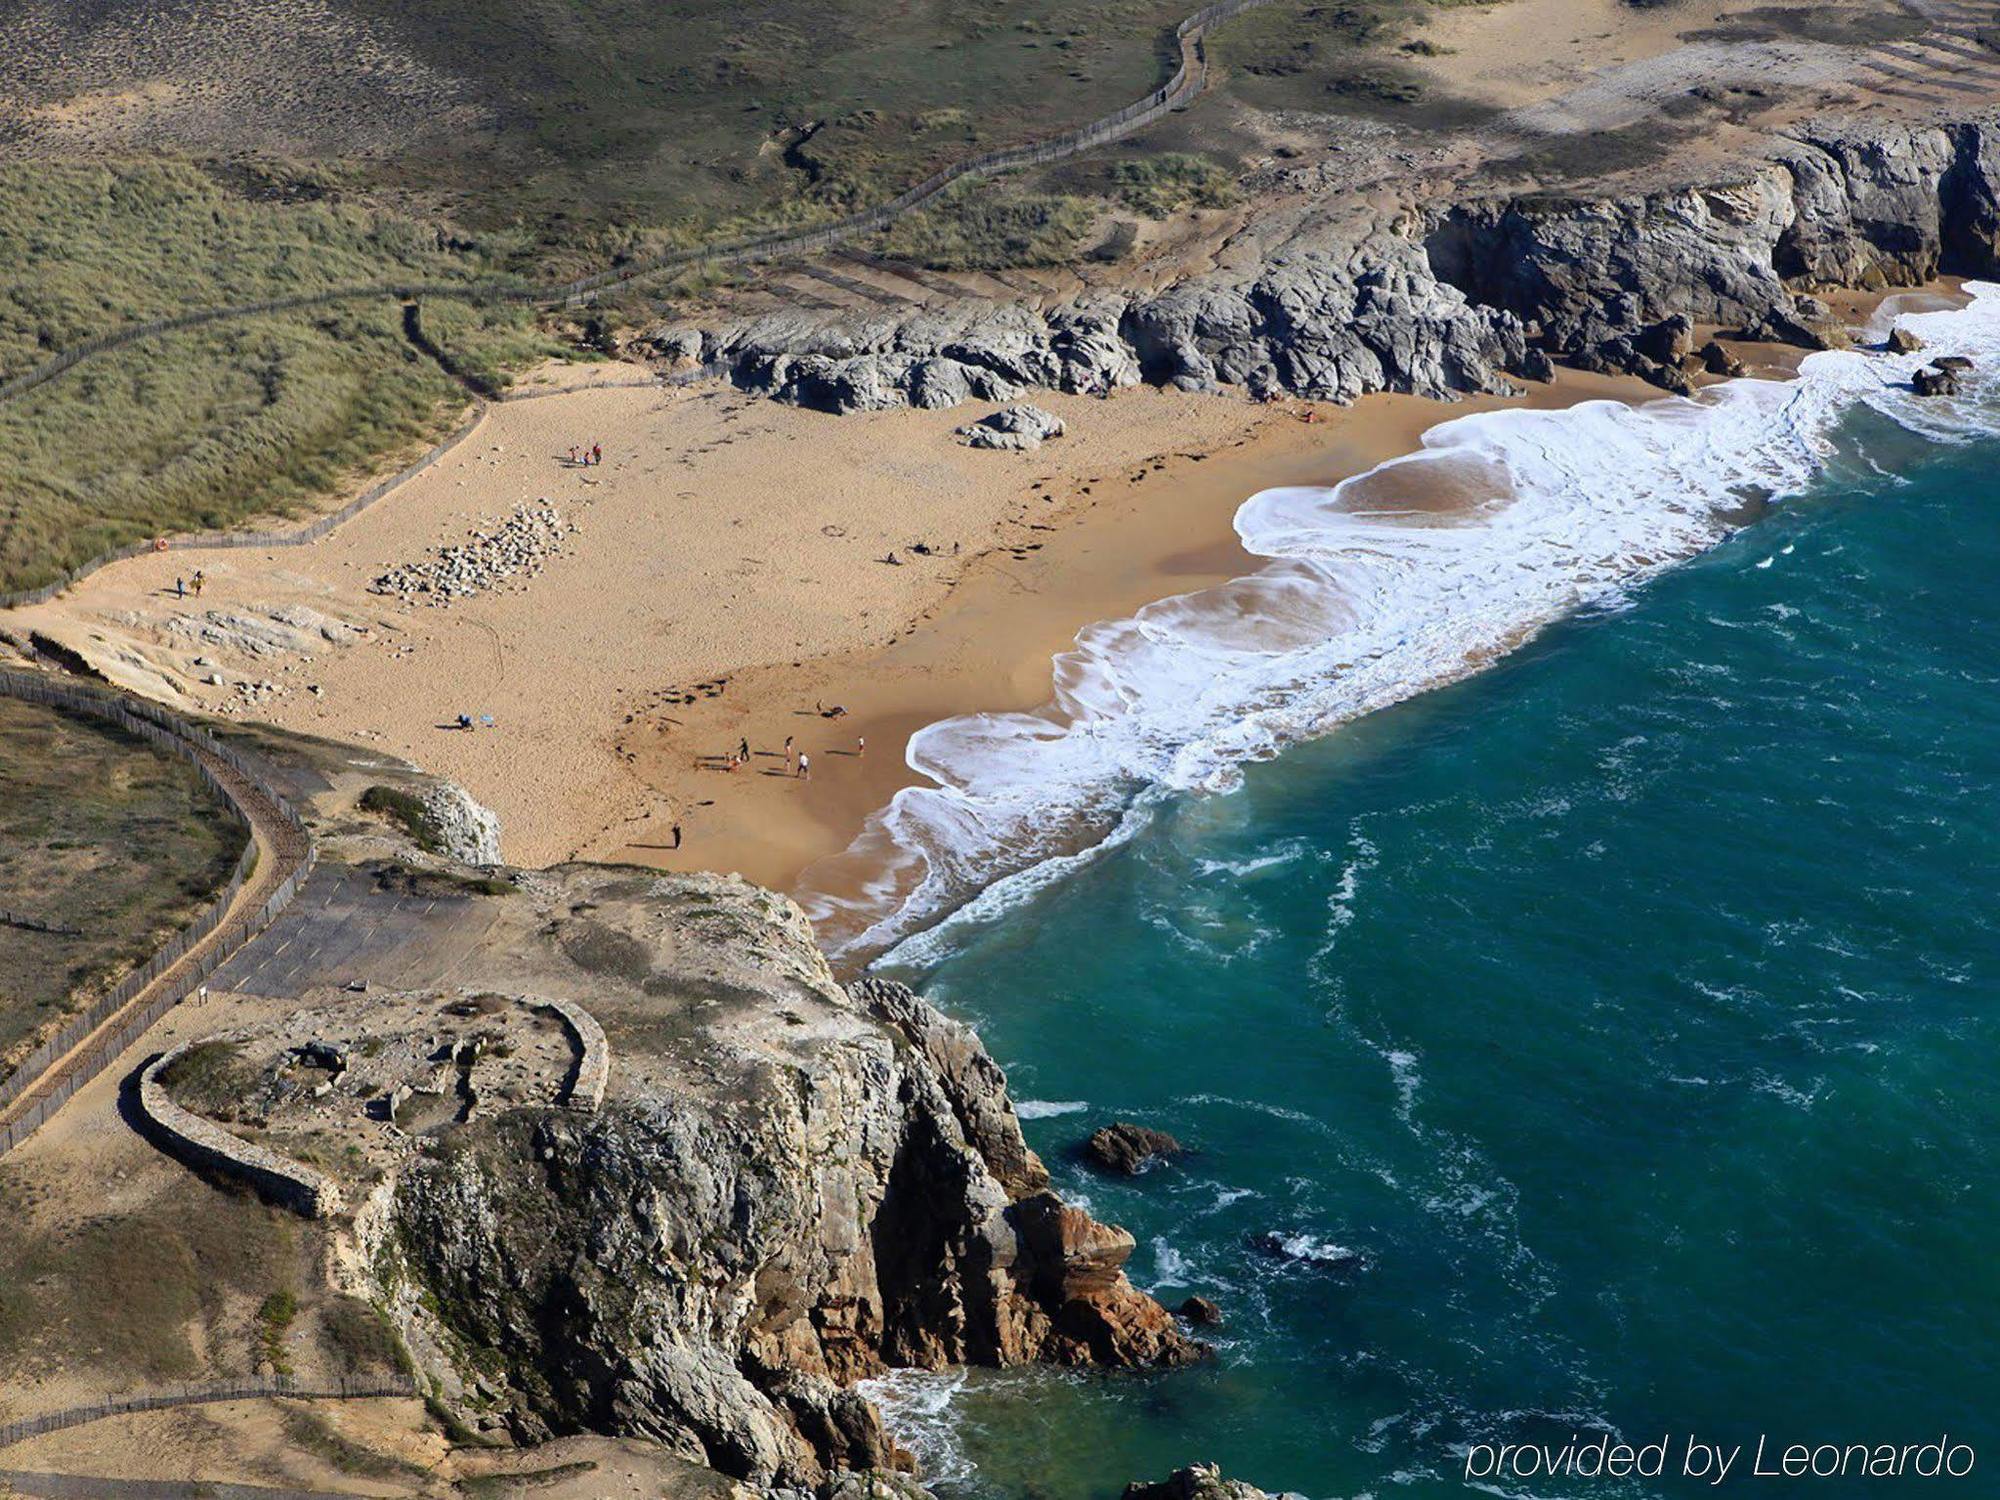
pixel 722 578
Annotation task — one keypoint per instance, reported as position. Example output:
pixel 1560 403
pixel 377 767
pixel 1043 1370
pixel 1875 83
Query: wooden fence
pixel 1178 90
pixel 204 1394
pixel 175 736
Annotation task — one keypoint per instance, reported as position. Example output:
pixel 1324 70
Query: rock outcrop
pixel 789 1187
pixel 1020 428
pixel 1130 1149
pixel 1199 1482
pixel 463 828
pixel 1440 301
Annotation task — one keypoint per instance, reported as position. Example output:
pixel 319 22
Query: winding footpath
pixel 1189 79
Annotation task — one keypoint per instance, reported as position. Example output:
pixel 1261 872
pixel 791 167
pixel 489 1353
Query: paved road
pixel 343 926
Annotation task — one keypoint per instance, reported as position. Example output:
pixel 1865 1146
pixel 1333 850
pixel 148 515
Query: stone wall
pixel 203 1143
pixel 593 1067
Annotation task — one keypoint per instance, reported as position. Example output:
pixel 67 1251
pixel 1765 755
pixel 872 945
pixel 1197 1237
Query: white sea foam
pixel 1365 600
pixel 916 1408
pixel 1046 1109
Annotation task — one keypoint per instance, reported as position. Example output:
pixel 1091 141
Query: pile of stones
pixel 517 548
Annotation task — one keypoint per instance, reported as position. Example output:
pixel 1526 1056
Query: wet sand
pixel 727 582
pixel 1163 528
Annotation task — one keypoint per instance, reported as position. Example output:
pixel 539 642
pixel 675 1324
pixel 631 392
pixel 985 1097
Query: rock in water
pixel 1305 1249
pixel 1021 428
pixel 1902 341
pixel 1199 1482
pixel 1935 381
pixel 1201 1312
pixel 1130 1149
pixel 1958 364
pixel 1719 361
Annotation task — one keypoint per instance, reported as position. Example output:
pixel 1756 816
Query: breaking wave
pixel 1373 592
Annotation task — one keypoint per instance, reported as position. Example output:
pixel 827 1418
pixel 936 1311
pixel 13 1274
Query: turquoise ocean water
pixel 1604 1042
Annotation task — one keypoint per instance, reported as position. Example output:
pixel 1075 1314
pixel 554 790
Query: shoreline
pixel 1113 546
pixel 698 603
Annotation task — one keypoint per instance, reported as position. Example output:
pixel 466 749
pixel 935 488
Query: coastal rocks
pixel 1130 1149
pixel 1902 341
pixel 1199 1482
pixel 1837 205
pixel 929 359
pixel 1328 328
pixel 788 1188
pixel 1201 1312
pixel 1438 303
pixel 1719 361
pixel 1020 428
pixel 517 547
pixel 461 828
pixel 1328 325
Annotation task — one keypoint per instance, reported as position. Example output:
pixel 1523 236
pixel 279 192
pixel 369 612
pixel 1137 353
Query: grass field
pixel 606 131
pixel 101 832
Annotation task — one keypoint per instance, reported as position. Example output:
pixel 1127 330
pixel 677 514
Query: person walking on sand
pixel 860 746
pixel 572 455
pixel 805 767
pixel 596 454
pixel 180 589
pixel 789 752
pixel 199 579
pixel 743 751
pixel 677 836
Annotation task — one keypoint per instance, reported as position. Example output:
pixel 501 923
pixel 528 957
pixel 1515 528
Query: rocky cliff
pixel 790 1187
pixel 1436 300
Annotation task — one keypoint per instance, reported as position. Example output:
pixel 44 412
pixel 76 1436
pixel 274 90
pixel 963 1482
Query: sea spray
pixel 1372 594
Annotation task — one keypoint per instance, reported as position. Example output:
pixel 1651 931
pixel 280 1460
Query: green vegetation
pixel 1338 57
pixel 1159 185
pixel 206 429
pixel 986 226
pixel 209 1078
pixel 101 832
pixel 120 1293
pixel 409 880
pixel 86 248
pixel 526 1479
pixel 309 1429
pixel 716 113
pixel 274 1320
pixel 407 812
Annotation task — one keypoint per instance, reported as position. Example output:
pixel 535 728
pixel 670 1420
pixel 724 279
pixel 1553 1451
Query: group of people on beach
pixel 182 586
pixel 585 458
pixel 798 763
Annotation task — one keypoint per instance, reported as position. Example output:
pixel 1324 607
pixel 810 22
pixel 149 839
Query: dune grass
pixel 101 832
pixel 206 428
pixel 86 248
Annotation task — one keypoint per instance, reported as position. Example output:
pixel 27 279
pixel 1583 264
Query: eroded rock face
pixel 466 830
pixel 1840 205
pixel 1443 301
pixel 797 1187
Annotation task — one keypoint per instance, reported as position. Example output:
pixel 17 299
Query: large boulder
pixel 1130 1149
pixel 1020 428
